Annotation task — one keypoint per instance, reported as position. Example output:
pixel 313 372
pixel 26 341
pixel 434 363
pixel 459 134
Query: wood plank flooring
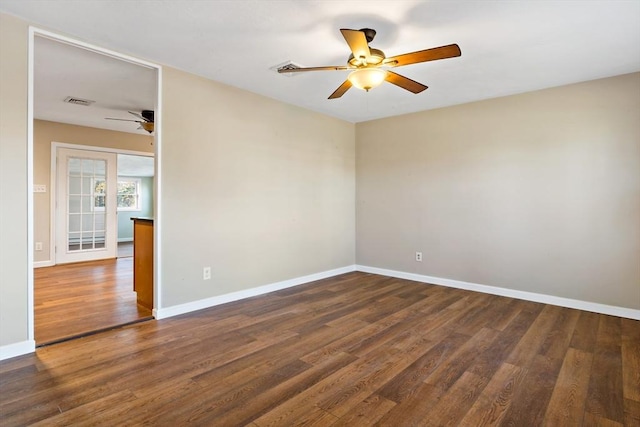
pixel 75 299
pixel 353 350
pixel 125 249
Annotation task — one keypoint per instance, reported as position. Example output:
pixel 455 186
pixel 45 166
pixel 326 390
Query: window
pixel 99 195
pixel 128 194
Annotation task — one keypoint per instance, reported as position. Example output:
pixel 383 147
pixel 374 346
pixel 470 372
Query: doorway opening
pixel 135 197
pixel 90 177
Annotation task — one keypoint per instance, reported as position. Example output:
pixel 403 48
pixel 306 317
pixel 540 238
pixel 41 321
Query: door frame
pixel 54 187
pixel 157 282
pixel 109 213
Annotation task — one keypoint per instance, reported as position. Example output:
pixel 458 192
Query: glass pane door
pixel 86 214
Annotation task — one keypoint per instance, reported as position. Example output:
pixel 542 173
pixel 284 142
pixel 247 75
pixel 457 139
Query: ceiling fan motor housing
pixel 148 115
pixel 376 57
pixel 369 34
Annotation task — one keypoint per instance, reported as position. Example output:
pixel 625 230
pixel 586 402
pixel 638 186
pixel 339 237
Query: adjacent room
pixel 398 213
pixel 94 168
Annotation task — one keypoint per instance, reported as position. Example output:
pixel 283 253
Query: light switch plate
pixel 39 188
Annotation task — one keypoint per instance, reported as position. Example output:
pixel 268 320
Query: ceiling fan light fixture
pixel 148 126
pixel 376 56
pixel 367 78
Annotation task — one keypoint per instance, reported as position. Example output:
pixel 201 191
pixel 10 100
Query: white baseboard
pixel 612 310
pixel 17 349
pixel 39 264
pixel 163 313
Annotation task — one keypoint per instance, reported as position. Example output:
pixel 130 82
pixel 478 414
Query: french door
pixel 86 209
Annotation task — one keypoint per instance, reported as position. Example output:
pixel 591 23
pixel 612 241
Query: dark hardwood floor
pixel 354 350
pixel 76 299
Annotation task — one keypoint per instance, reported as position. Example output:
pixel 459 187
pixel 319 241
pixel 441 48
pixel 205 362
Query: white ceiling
pixel 507 47
pixel 116 86
pixel 138 166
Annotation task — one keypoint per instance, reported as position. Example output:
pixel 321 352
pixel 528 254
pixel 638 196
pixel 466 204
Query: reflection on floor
pixel 77 299
pixel 125 249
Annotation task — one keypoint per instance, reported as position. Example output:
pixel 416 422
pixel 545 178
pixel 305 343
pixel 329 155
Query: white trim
pixel 125 239
pixel 611 310
pixel 103 149
pixel 40 264
pixel 17 349
pixel 53 194
pixel 100 50
pixel 31 332
pixel 33 32
pixel 157 196
pixel 176 310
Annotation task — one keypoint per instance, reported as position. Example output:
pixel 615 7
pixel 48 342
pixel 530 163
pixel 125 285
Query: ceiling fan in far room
pixel 146 119
pixel 369 66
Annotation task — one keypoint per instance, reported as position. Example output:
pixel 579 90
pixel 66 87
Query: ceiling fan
pixel 146 120
pixel 367 64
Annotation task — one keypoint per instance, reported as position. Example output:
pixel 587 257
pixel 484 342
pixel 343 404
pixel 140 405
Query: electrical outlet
pixel 38 246
pixel 206 273
pixel 419 256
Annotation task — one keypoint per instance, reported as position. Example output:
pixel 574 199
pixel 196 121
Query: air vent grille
pixel 287 66
pixel 78 101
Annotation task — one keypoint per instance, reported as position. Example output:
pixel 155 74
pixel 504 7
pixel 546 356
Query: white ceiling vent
pixel 78 101
pixel 286 66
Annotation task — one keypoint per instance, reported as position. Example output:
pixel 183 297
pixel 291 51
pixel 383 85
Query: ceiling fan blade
pixel 122 120
pixel 442 52
pixel 405 82
pixel 328 67
pixel 357 42
pixel 341 90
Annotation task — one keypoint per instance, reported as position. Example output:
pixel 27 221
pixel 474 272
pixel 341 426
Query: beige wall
pixel 13 181
pixel 537 192
pixel 259 190
pixel 44 133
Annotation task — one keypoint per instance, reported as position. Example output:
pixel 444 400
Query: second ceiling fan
pixel 146 121
pixel 366 64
